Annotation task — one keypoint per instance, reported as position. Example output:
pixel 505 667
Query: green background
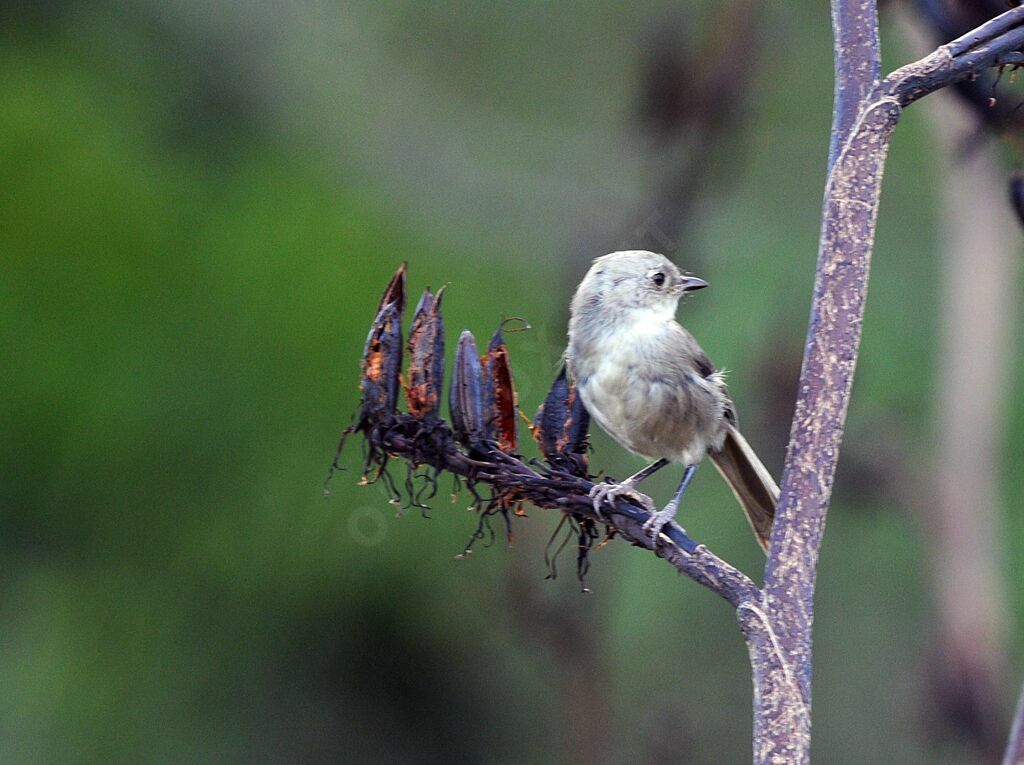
pixel 199 206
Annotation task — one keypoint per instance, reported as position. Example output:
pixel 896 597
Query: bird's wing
pixel 708 372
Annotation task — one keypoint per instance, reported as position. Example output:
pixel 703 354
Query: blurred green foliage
pixel 188 275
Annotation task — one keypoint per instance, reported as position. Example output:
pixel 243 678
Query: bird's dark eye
pixel 659 278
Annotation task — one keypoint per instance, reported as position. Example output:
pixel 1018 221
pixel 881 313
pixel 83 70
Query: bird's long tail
pixel 750 481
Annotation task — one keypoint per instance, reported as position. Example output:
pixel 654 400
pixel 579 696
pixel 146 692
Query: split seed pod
pixel 382 356
pixel 499 396
pixel 395 292
pixel 560 427
pixel 426 357
pixel 379 379
pixel 465 398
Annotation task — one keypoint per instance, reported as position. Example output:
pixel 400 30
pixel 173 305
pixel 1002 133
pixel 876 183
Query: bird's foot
pixel 660 519
pixel 607 492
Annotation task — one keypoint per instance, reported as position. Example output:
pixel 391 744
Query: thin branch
pixel 945 21
pixel 956 61
pixel 1015 746
pixel 568 493
pixel 990 30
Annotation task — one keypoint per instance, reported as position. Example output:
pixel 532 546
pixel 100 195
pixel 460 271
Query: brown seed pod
pixel 381 368
pixel 379 378
pixel 382 356
pixel 426 357
pixel 560 427
pixel 499 396
pixel 395 292
pixel 465 397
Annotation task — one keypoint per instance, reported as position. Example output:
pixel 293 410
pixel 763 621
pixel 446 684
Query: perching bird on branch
pixel 651 387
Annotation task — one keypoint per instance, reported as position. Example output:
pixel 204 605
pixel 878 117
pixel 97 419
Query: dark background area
pixel 199 207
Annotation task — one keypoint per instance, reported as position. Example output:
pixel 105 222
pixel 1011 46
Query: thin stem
pixel 957 61
pixel 987 31
pixel 507 474
pixel 1015 746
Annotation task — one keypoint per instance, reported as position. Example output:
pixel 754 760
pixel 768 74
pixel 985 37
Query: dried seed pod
pixel 465 398
pixel 379 378
pixel 382 356
pixel 426 357
pixel 499 396
pixel 560 427
pixel 381 368
pixel 395 292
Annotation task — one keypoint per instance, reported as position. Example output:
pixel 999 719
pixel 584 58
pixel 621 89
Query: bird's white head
pixel 633 282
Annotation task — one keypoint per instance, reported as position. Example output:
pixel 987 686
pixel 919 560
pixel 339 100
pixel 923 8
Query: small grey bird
pixel 651 387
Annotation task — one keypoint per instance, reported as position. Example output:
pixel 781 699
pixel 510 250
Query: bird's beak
pixel 691 283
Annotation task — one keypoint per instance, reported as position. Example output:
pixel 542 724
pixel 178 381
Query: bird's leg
pixel 603 492
pixel 658 520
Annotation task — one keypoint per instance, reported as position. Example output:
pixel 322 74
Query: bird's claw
pixel 608 492
pixel 658 521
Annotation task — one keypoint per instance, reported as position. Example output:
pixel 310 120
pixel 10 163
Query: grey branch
pixel 571 494
pixel 857 57
pixel 857 160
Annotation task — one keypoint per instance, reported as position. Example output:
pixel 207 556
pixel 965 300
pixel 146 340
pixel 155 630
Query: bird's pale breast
pixel 643 393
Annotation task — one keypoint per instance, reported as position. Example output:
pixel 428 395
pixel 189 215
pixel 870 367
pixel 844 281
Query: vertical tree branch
pixel 851 208
pixel 860 142
pixel 782 729
pixel 782 718
pixel 857 57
